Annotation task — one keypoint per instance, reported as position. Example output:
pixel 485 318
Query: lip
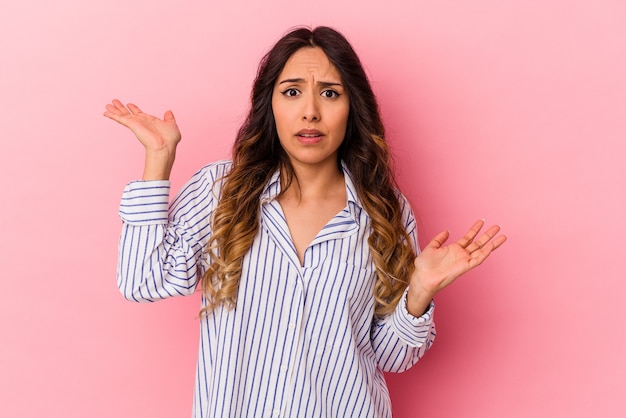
pixel 309 136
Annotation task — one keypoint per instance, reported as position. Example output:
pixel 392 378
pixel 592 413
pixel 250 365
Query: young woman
pixel 303 246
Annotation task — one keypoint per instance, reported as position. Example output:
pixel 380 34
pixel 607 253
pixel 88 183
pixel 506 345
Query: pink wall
pixel 509 110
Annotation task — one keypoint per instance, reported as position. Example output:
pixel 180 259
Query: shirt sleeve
pixel 161 247
pixel 401 339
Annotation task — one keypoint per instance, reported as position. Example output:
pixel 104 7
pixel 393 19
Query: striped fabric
pixel 302 341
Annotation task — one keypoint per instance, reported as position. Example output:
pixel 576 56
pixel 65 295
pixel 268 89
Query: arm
pixel 160 253
pixel 401 339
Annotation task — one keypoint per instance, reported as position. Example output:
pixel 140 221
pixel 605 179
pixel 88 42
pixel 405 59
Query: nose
pixel 311 108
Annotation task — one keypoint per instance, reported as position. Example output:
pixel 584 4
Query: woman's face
pixel 311 106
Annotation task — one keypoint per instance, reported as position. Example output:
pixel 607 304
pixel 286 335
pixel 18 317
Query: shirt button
pixel 276 413
pixel 292 325
pixel 284 368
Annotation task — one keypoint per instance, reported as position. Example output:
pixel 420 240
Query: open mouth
pixel 309 136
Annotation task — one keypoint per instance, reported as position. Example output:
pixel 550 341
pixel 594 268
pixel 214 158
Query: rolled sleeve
pixel 145 202
pixel 413 331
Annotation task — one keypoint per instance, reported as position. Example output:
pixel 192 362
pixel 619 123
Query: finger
pixel 115 116
pixel 498 241
pixel 471 234
pixel 481 255
pixel 112 112
pixel 169 115
pixel 134 109
pixel 439 239
pixel 483 239
pixel 119 106
pixel 117 112
pixel 109 108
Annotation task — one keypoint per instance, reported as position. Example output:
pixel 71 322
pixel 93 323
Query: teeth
pixel 309 135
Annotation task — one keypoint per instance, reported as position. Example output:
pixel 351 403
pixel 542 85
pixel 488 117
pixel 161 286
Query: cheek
pixel 342 121
pixel 279 121
pixel 281 116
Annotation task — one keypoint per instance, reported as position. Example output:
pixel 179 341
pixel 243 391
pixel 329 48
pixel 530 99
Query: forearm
pixel 153 266
pixel 156 258
pixel 418 301
pixel 401 339
pixel 161 251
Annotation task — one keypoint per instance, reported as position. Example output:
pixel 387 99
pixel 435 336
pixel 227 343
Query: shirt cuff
pixel 145 202
pixel 413 331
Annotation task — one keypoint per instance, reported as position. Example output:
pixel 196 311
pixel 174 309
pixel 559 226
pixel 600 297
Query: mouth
pixel 309 136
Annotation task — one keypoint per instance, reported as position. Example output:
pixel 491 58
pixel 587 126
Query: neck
pixel 311 182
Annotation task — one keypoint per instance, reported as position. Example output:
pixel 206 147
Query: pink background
pixel 509 110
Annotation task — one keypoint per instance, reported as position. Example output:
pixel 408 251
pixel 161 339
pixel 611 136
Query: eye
pixel 330 94
pixel 291 92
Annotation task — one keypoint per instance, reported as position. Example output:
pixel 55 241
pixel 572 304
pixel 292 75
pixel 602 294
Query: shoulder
pixel 204 186
pixel 408 219
pixel 215 170
pixel 406 212
pixel 405 204
pixel 212 174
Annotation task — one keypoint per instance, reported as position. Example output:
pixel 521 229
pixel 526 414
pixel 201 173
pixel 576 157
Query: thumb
pixel 169 115
pixel 439 239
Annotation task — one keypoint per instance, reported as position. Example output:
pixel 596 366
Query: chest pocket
pixel 334 281
pixel 338 303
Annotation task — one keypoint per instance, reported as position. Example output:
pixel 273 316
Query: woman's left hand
pixel 437 266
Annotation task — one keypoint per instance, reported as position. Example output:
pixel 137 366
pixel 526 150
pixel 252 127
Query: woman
pixel 304 248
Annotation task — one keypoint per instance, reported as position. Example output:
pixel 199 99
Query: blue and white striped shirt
pixel 302 340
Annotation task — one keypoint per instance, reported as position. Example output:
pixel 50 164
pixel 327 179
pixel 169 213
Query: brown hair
pixel 257 154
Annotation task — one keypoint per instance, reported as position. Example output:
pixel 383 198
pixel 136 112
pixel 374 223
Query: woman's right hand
pixel 158 136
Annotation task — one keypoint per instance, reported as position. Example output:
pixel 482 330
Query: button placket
pixel 290 327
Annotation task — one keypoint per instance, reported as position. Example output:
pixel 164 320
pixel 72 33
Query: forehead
pixel 310 61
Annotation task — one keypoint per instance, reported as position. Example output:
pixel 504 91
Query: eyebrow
pixel 302 80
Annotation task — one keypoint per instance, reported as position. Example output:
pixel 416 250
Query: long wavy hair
pixel 257 154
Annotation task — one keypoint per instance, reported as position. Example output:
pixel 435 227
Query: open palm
pixel 438 265
pixel 155 134
pixel 158 136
